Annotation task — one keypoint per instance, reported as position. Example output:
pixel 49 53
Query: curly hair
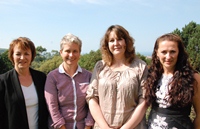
pixel 121 33
pixel 182 90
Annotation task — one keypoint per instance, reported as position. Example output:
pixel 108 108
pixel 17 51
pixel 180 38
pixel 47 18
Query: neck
pixel 22 72
pixel 70 69
pixel 119 65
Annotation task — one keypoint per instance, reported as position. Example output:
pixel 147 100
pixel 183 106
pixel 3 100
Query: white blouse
pixel 162 91
pixel 31 100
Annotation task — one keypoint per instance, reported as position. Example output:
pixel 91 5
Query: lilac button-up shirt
pixel 65 97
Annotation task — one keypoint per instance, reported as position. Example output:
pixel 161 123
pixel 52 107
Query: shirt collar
pixel 61 69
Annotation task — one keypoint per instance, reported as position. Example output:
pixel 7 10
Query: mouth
pixel 168 62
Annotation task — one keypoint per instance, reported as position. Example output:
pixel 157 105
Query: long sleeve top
pixel 118 92
pixel 13 113
pixel 65 97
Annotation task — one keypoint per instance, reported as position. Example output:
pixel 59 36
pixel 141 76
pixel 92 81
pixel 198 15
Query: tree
pixel 187 32
pixel 88 61
pixel 193 49
pixel 50 64
pixel 144 58
pixel 40 54
pixel 5 63
pixel 190 35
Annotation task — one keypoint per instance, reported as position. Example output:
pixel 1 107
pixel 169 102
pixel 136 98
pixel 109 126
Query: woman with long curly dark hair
pixel 172 86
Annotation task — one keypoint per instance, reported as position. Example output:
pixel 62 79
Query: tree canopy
pixel 190 35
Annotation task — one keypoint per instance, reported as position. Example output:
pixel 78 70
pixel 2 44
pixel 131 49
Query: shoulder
pixel 138 64
pixel 55 71
pixel 7 74
pixel 140 67
pixel 139 61
pixel 85 71
pixel 100 63
pixel 37 72
pixel 197 78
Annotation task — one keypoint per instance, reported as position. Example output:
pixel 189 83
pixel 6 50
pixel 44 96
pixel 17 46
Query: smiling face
pixel 117 46
pixel 70 53
pixel 167 53
pixel 22 57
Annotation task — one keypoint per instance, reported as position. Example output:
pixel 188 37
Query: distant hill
pixel 2 50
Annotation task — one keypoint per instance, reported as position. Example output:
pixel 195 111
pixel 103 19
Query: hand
pixel 88 127
pixel 62 127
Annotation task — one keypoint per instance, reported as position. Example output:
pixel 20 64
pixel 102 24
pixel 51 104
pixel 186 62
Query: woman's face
pixel 22 58
pixel 168 54
pixel 70 53
pixel 116 46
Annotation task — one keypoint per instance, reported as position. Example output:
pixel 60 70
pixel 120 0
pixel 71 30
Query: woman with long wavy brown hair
pixel 172 86
pixel 115 94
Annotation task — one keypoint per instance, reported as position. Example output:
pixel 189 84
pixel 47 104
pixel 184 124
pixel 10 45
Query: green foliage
pixel 5 63
pixel 193 49
pixel 144 58
pixel 2 50
pixel 188 32
pixel 88 61
pixel 40 54
pixel 50 64
pixel 191 38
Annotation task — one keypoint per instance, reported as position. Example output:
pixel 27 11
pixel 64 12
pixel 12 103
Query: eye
pixel 68 51
pixel 75 51
pixel 17 54
pixel 111 40
pixel 163 52
pixel 173 51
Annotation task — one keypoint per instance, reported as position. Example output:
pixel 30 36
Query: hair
pixel 182 89
pixel 24 43
pixel 70 38
pixel 121 33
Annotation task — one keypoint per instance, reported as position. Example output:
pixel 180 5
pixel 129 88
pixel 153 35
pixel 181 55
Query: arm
pixel 51 97
pixel 136 116
pixel 196 101
pixel 2 107
pixel 92 97
pixel 97 114
pixel 89 121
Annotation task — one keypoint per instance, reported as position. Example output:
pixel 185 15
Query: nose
pixel 116 42
pixel 71 54
pixel 168 55
pixel 22 57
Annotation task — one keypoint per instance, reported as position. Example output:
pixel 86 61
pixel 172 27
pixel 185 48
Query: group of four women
pixel 115 95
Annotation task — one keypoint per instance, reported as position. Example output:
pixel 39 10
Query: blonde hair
pixel 70 38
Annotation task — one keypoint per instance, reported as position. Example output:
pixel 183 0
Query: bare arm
pixel 196 102
pixel 97 114
pixel 136 116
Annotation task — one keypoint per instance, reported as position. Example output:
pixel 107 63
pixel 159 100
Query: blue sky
pixel 45 22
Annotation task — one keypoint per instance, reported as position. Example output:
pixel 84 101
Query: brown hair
pixel 182 89
pixel 24 43
pixel 121 33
